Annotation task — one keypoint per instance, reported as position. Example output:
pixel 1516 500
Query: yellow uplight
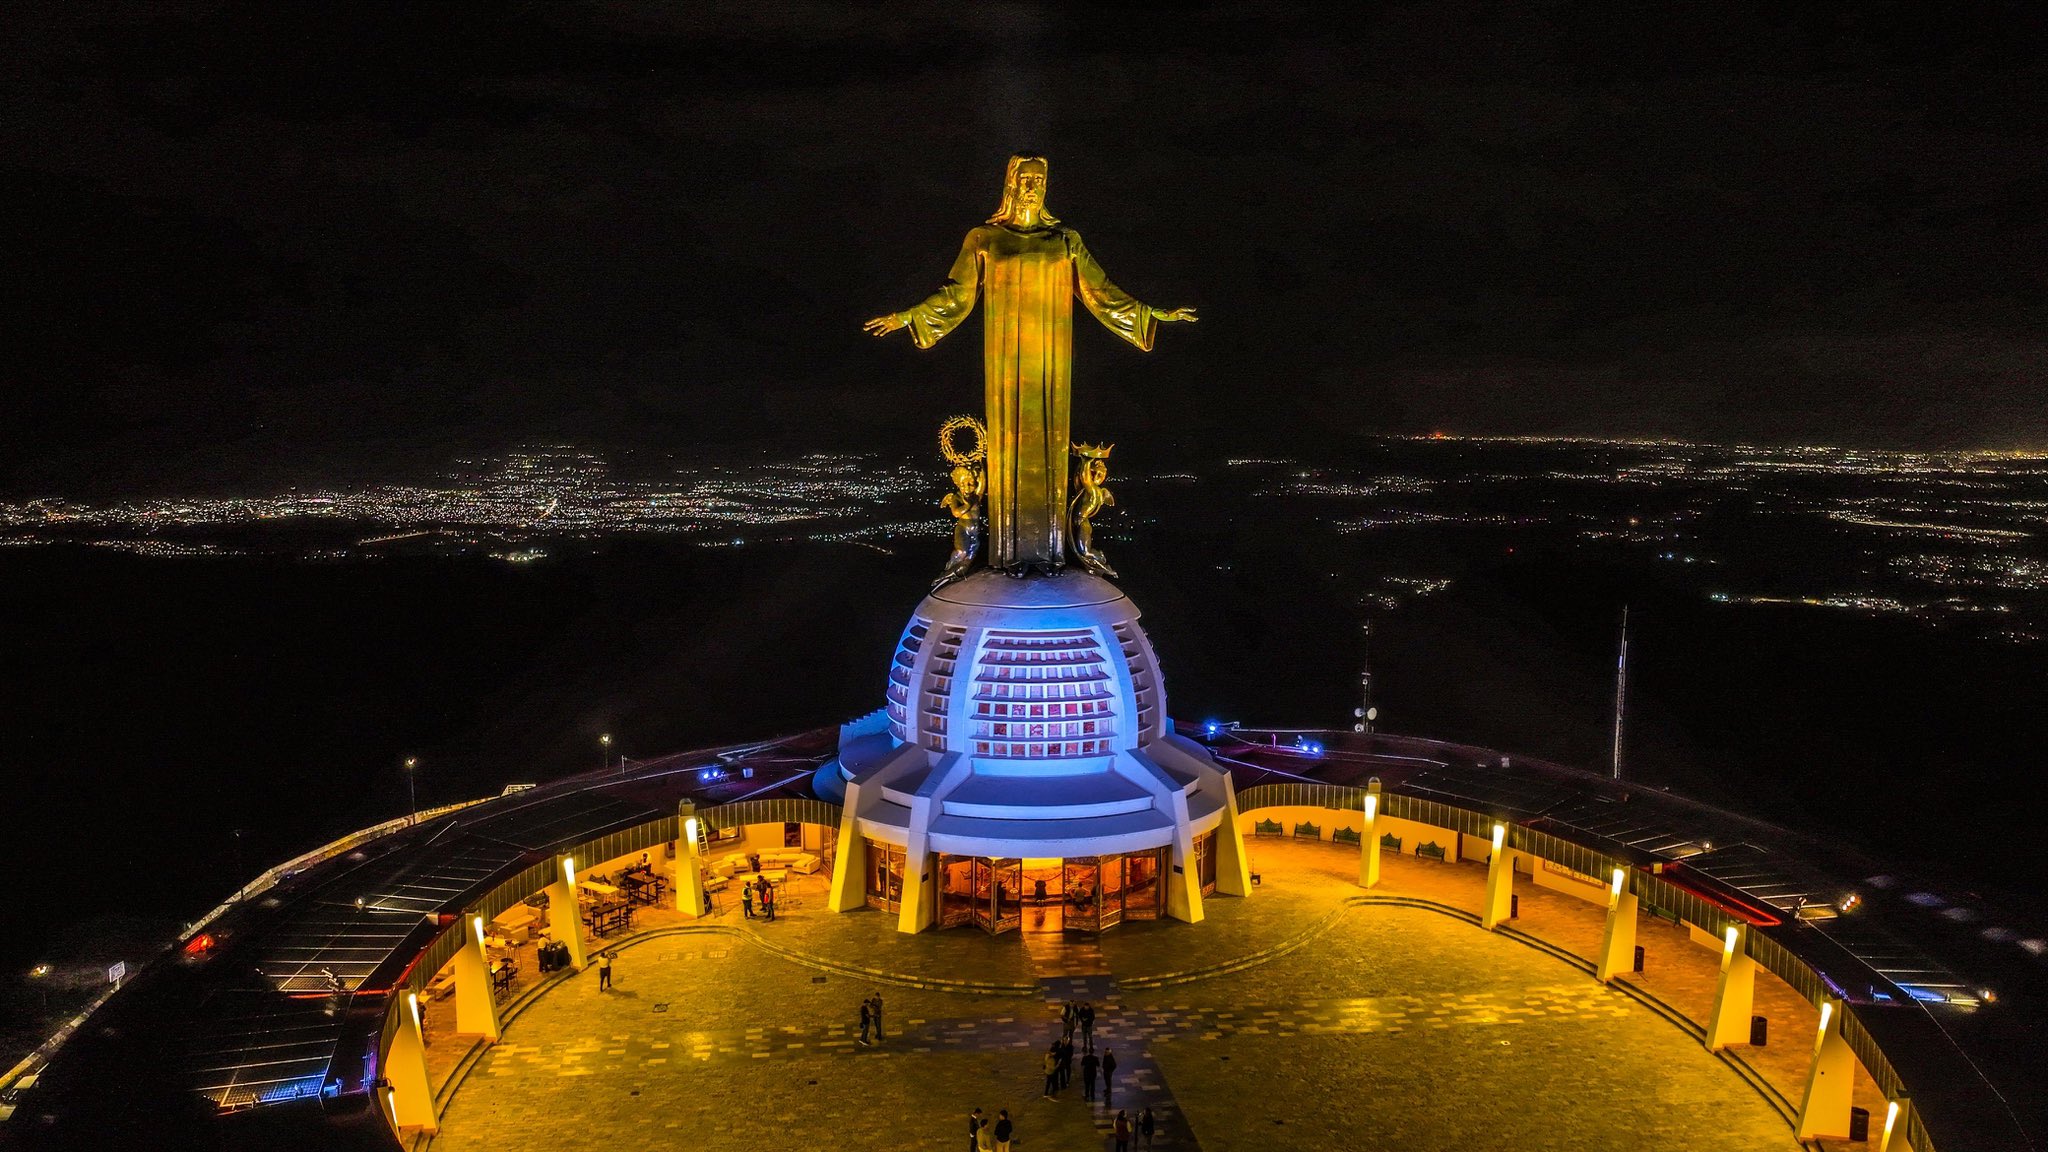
pixel 1372 806
pixel 1827 1012
pixel 569 870
pixel 690 831
pixel 412 1001
pixel 1620 879
pixel 1732 935
pixel 1891 1120
pixel 1500 836
pixel 478 923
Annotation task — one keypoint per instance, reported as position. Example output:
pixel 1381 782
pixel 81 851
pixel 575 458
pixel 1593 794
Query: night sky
pixel 254 243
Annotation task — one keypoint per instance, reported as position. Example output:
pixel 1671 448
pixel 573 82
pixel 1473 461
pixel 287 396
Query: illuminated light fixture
pixel 478 923
pixel 1729 938
pixel 1500 836
pixel 1891 1121
pixel 1850 901
pixel 1987 995
pixel 1372 806
pixel 1620 879
pixel 569 870
pixel 690 831
pixel 39 971
pixel 412 1001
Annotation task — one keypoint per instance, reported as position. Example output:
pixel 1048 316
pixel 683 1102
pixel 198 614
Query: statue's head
pixel 963 479
pixel 1023 186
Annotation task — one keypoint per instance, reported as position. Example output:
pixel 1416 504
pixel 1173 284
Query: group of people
pixel 985 1135
pixel 871 1016
pixel 760 889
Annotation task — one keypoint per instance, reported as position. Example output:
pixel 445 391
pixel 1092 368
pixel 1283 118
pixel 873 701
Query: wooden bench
pixel 1430 851
pixel 1391 843
pixel 1267 828
pixel 1307 831
pixel 1345 836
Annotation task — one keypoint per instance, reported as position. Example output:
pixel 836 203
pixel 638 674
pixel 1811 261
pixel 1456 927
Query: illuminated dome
pixel 1026 718
pixel 1042 669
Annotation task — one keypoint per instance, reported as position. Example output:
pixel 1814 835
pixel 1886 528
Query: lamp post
pixel 604 755
pixel 412 793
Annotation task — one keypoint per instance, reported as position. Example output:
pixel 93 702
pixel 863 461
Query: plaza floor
pixel 1342 1025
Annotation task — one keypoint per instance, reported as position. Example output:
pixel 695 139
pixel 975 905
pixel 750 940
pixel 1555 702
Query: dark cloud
pixel 259 241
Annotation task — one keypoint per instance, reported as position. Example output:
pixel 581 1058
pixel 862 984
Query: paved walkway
pixel 1389 1026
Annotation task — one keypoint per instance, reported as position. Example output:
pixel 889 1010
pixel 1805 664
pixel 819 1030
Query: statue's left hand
pixel 1175 314
pixel 883 325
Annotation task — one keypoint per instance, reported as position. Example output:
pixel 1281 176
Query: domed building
pixel 1024 772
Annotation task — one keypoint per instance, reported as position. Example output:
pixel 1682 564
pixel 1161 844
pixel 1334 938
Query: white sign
pixel 115 973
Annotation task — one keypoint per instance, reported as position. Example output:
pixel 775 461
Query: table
pixel 600 887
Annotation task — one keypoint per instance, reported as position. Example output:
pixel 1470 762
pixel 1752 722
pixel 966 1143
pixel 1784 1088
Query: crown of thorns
pixel 1093 451
pixel 949 445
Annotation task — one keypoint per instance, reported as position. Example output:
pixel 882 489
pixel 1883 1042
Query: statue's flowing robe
pixel 1029 280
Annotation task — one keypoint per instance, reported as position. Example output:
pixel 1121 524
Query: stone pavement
pixel 1379 1026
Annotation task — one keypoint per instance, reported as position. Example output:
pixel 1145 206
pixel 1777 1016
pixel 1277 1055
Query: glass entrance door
pixel 1144 895
pixel 1112 903
pixel 1006 894
pixel 1081 878
pixel 957 889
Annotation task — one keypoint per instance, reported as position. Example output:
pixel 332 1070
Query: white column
pixel 1233 866
pixel 1830 1081
pixel 405 1068
pixel 1735 992
pixel 1500 881
pixel 476 1010
pixel 565 919
pixel 849 858
pixel 689 874
pixel 1618 945
pixel 1369 839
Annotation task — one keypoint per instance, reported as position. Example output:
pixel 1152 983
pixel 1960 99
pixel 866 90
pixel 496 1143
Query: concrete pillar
pixel 1735 992
pixel 849 859
pixel 1233 865
pixel 1618 945
pixel 1369 839
pixel 1184 879
pixel 1830 1081
pixel 1500 881
pixel 920 907
pixel 405 1069
pixel 476 1009
pixel 1896 1114
pixel 565 919
pixel 689 874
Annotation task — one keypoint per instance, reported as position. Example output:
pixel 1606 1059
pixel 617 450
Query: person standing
pixel 1108 1070
pixel 1066 1049
pixel 974 1123
pixel 604 970
pixel 768 900
pixel 865 1015
pixel 1004 1129
pixel 1067 1013
pixel 1122 1131
pixel 878 1016
pixel 1088 1076
pixel 747 901
pixel 1145 1126
pixel 1088 1026
pixel 1051 1064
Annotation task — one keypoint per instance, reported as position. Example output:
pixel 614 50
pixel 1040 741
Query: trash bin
pixel 1759 1030
pixel 1859 1124
pixel 1639 957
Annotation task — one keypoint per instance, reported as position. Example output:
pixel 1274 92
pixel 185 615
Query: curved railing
pixel 1654 891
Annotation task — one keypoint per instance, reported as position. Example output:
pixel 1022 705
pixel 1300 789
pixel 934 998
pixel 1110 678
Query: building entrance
pixel 1086 894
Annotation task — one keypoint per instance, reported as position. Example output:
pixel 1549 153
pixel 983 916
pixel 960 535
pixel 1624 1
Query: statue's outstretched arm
pixel 1119 311
pixel 942 311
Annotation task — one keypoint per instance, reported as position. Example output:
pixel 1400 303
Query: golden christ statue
pixel 1029 268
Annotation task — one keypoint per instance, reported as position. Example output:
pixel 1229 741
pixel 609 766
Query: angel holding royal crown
pixel 1090 498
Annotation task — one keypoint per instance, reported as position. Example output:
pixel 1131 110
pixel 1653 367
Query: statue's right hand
pixel 883 325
